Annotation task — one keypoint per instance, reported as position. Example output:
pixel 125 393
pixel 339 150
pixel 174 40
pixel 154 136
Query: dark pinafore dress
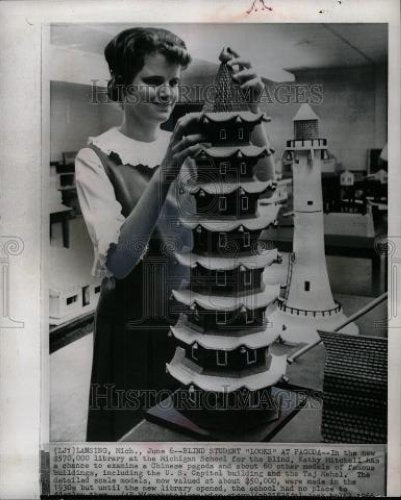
pixel 131 344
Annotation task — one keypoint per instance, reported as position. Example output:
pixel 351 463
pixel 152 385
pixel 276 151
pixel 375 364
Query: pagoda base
pixel 167 415
pixel 300 328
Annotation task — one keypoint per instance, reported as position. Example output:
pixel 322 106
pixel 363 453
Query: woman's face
pixel 154 90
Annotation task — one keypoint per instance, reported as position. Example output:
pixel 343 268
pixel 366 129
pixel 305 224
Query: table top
pixel 303 428
pixel 285 234
pixel 59 209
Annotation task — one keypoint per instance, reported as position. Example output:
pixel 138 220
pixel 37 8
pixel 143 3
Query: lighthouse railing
pixel 307 312
pixel 291 260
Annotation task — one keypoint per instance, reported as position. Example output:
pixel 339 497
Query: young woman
pixel 127 182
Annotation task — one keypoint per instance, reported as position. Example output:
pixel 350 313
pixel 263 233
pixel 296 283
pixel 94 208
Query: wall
pixel 381 106
pixel 74 117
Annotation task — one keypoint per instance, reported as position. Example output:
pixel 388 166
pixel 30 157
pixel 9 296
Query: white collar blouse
pixel 100 209
pixel 131 151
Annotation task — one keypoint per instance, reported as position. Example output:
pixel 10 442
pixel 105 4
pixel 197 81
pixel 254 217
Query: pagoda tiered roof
pixel 250 187
pixel 229 262
pixel 225 340
pixel 267 214
pixel 227 152
pixel 228 302
pixel 241 116
pixel 253 379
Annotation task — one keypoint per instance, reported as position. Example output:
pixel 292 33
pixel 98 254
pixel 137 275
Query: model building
pixel 223 338
pixel 355 389
pixel 307 303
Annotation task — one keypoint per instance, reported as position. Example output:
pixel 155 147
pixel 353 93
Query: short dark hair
pixel 125 54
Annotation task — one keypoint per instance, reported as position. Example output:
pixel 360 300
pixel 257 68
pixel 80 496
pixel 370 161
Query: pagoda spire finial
pixel 226 55
pixel 227 94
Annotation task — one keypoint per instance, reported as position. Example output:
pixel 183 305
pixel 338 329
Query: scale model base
pixel 300 329
pixel 167 415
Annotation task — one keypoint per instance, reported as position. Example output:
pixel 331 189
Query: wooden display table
pixel 62 215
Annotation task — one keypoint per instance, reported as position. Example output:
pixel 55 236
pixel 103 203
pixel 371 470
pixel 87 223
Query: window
pixel 196 314
pixel 223 134
pixel 251 356
pixel 222 240
pixel 221 278
pixel 97 289
pixel 307 286
pixel 223 167
pixel 221 358
pixel 72 299
pixel 310 202
pixel 249 316
pixel 247 239
pixel 221 317
pixel 222 203
pixel 240 133
pixel 194 352
pixel 243 167
pixel 248 277
pixel 85 295
pixel 244 203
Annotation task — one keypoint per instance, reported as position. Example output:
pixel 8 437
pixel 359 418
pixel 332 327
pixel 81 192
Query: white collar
pixel 131 151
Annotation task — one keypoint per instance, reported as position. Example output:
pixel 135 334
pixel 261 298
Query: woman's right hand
pixel 186 141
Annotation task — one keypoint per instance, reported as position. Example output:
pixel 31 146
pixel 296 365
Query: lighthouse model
pixel 307 303
pixel 223 360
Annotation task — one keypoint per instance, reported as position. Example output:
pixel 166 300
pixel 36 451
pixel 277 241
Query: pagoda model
pixel 223 360
pixel 307 303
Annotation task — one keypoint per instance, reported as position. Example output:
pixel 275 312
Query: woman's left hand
pixel 248 79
